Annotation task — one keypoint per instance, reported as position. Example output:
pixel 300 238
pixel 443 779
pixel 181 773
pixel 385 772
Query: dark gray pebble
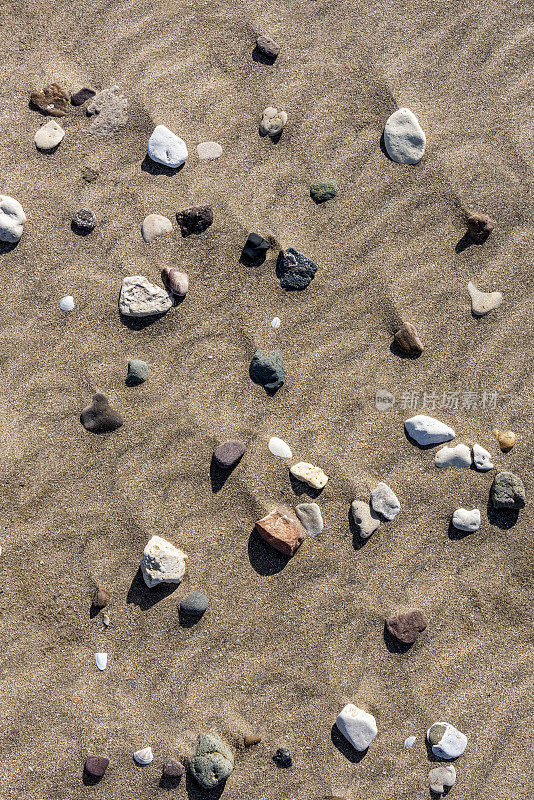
pixel 84 220
pixel 267 369
pixel 282 757
pixel 507 491
pixel 194 604
pixel 228 454
pixel 137 372
pixel 99 417
pixel 255 249
pixel 82 96
pixel 195 220
pixel 294 270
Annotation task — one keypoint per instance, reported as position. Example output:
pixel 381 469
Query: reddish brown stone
pixel 267 47
pixel 101 597
pixel 52 100
pixel 95 766
pixel 408 341
pixel 282 532
pixel 480 226
pixel 173 769
pixel 251 739
pixel 406 626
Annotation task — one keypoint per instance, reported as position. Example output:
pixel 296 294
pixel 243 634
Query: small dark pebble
pixel 282 757
pixel 195 220
pixel 84 220
pixel 95 766
pixel 99 417
pixel 101 597
pixel 81 97
pixel 255 249
pixel 480 226
pixel 267 369
pixel 137 372
pixel 294 270
pixel 228 454
pixel 173 769
pixel 320 192
pixel 267 47
pixel 194 604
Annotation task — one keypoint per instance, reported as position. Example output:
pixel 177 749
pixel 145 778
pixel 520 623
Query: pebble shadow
pixel 264 559
pixel 457 535
pixel 153 168
pixel 383 148
pixel 90 780
pixel 300 488
pixel 345 747
pixel 218 475
pixel 261 58
pixel 502 518
pixel 140 595
pixel 169 783
pixel 395 349
pixel 139 323
pixel 357 541
pixel 7 247
pixel 393 644
pixel 189 620
pixel 465 242
pixel 196 792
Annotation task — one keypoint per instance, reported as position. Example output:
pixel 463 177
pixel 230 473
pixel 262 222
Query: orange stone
pixel 282 532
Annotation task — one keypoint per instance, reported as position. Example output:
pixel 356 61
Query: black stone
pixel 282 757
pixel 95 766
pixel 268 370
pixel 84 220
pixel 195 604
pixel 228 454
pixel 255 249
pixel 81 97
pixel 294 270
pixel 195 220
pixel 99 417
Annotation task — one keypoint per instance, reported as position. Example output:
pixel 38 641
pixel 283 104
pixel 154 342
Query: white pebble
pixel 101 660
pixel 310 474
pixel 49 135
pixel 483 302
pixel 357 726
pixel 12 219
pixel 276 322
pixel 279 448
pixel 428 430
pixel 66 303
pixel 404 138
pixel 409 742
pixel 482 458
pixel 310 516
pixel 384 501
pixel 465 520
pixel 209 150
pixel 155 225
pixel 166 148
pixel 457 456
pixel 446 740
pixel 144 756
pixel 162 562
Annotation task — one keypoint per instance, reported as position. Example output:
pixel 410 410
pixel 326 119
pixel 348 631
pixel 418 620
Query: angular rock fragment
pixel 308 473
pixel 357 726
pixel 267 47
pixel 483 302
pixel 99 417
pixel 408 341
pixel 140 298
pixel 406 625
pixel 267 369
pixel 52 101
pixel 507 491
pixel 427 430
pixel 255 249
pixel 162 562
pixel 294 270
pixel 195 220
pixel 228 454
pixel 479 226
pixel 281 531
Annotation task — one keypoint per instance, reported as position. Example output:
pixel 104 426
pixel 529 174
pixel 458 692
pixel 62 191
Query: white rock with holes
pixel 140 298
pixel 481 458
pixel 465 520
pixel 166 148
pixel 49 135
pixel 428 430
pixel 404 138
pixel 162 562
pixel 308 473
pixel 457 456
pixel 357 726
pixel 12 219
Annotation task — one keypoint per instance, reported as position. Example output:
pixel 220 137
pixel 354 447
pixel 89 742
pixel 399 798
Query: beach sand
pixel 283 646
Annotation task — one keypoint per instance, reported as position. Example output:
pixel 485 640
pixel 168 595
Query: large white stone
pixel 155 225
pixel 313 476
pixel 404 138
pixel 466 520
pixel 166 148
pixel 384 501
pixel 162 562
pixel 49 135
pixel 446 740
pixel 457 456
pixel 483 302
pixel 357 726
pixel 12 219
pixel 140 298
pixel 481 458
pixel 427 430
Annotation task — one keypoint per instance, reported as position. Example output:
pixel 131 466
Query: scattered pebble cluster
pixel 162 562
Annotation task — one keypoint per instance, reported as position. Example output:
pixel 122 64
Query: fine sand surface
pixel 283 646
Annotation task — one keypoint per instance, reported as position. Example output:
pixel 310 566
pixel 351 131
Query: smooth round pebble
pixel 428 430
pixel 209 150
pixel 155 225
pixel 279 448
pixel 404 138
pixel 101 661
pixel 194 604
pixel 228 454
pixel 465 520
pixel 12 219
pixel 276 322
pixel 173 769
pixel 66 303
pixel 409 742
pixel 49 135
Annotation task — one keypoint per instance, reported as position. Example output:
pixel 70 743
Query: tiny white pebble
pixel 276 322
pixel 279 448
pixel 66 303
pixel 409 742
pixel 101 660
pixel 30 769
pixel 105 620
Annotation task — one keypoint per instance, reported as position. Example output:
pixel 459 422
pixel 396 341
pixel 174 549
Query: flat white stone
pixel 144 756
pixel 166 148
pixel 101 661
pixel 155 225
pixel 275 323
pixel 466 520
pixel 481 458
pixel 279 448
pixel 12 219
pixel 49 135
pixel 483 302
pixel 162 562
pixel 209 150
pixel 427 430
pixel 404 138
pixel 451 742
pixel 409 742
pixel 313 476
pixel 140 298
pixel 310 516
pixel 364 518
pixel 457 456
pixel 442 778
pixel 357 726
pixel 66 303
pixel 384 501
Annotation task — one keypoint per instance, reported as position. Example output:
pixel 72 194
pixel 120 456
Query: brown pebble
pixel 282 532
pixel 506 439
pixel 81 97
pixel 228 454
pixel 52 100
pixel 195 220
pixel 251 739
pixel 99 417
pixel 480 226
pixel 101 597
pixel 175 281
pixel 408 341
pixel 267 47
pixel 173 769
pixel 95 766
pixel 406 626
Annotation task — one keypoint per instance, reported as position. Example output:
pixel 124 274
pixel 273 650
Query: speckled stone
pixel 228 454
pixel 294 270
pixel 212 763
pixel 84 220
pixel 507 491
pixel 406 626
pixel 320 192
pixel 173 769
pixel 267 47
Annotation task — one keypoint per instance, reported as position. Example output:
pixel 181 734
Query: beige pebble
pixel 506 439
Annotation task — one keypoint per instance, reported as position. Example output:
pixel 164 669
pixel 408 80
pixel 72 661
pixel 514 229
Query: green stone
pixel 137 372
pixel 507 491
pixel 435 733
pixel 320 192
pixel 212 763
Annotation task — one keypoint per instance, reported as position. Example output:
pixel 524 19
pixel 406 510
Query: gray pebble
pixel 84 220
pixel 195 604
pixel 137 372
pixel 507 491
pixel 267 369
pixel 310 516
pixel 212 763
pixel 364 518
